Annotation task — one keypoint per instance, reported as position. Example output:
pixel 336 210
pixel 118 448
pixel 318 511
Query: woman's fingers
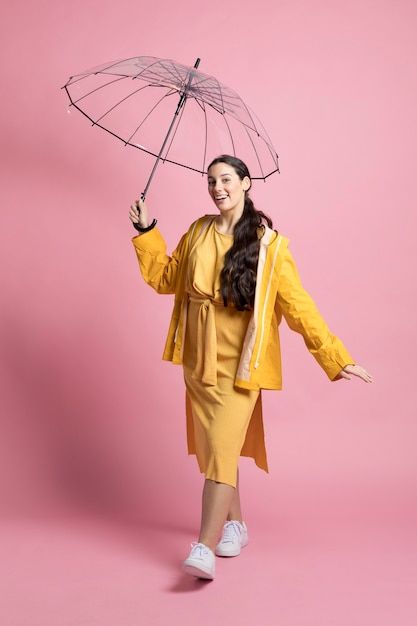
pixel 138 212
pixel 357 370
pixel 134 213
pixel 361 371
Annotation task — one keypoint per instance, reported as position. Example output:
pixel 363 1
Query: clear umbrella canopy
pixel 135 100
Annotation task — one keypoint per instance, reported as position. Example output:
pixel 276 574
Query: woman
pixel 234 278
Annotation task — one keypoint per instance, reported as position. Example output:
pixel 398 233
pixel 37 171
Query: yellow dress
pixel 220 430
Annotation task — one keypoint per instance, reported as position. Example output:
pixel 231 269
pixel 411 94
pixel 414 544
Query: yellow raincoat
pixel 279 293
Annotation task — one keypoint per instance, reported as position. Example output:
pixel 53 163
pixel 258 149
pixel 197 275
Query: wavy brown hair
pixel 238 275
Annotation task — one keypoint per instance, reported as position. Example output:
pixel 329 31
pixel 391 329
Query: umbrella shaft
pixel 163 146
pixel 179 107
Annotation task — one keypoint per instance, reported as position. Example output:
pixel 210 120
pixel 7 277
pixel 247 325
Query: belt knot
pixel 206 362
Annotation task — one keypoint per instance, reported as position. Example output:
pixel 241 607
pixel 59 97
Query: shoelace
pixel 231 529
pixel 199 546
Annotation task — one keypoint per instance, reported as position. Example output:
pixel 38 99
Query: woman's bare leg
pixel 216 503
pixel 235 511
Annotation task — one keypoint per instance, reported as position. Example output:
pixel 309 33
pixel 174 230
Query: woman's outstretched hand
pixel 139 213
pixel 356 370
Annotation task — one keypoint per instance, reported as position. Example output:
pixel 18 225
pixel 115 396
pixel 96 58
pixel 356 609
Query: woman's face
pixel 225 187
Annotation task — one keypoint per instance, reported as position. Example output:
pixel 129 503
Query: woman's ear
pixel 247 183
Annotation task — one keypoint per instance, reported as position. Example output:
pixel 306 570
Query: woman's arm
pixel 303 316
pixel 158 269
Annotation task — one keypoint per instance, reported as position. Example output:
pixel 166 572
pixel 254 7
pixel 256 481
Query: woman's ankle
pixel 210 545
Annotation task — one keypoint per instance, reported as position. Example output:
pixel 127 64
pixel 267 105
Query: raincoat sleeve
pixel 158 269
pixel 303 316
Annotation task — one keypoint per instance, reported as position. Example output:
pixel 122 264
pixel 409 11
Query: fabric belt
pixel 206 362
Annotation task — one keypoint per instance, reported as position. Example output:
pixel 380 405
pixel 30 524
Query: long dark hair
pixel 238 275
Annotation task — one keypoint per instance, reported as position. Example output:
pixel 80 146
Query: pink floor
pixel 308 568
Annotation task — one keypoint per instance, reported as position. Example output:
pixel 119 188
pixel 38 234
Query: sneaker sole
pixel 197 570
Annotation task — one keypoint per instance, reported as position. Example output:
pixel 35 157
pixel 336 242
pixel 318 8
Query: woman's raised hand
pixel 139 213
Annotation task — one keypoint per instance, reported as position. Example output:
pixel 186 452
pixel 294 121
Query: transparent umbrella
pixel 132 99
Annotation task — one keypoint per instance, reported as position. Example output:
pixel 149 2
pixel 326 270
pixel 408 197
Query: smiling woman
pixel 234 278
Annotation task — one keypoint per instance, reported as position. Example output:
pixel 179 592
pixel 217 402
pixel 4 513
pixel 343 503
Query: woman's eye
pixel 225 180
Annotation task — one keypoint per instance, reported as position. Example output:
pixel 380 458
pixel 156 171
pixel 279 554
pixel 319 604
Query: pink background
pixel 99 499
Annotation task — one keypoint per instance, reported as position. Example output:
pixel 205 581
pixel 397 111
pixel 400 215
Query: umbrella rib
pixel 254 125
pixel 246 127
pixel 101 87
pixel 196 85
pixel 237 119
pixel 206 101
pixel 264 131
pixel 227 113
pixel 132 93
pixel 271 151
pixel 203 108
pixel 205 138
pixel 103 70
pixel 223 98
pixel 113 64
pixel 82 76
pixel 221 95
pixel 211 98
pixel 145 68
pixel 148 73
pixel 256 152
pixel 175 78
pixel 230 133
pixel 268 143
pixel 73 82
pixel 233 116
pixel 227 92
pixel 180 78
pixel 202 78
pixel 148 114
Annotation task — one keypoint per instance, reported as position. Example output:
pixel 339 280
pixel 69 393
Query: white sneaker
pixel 235 536
pixel 200 562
